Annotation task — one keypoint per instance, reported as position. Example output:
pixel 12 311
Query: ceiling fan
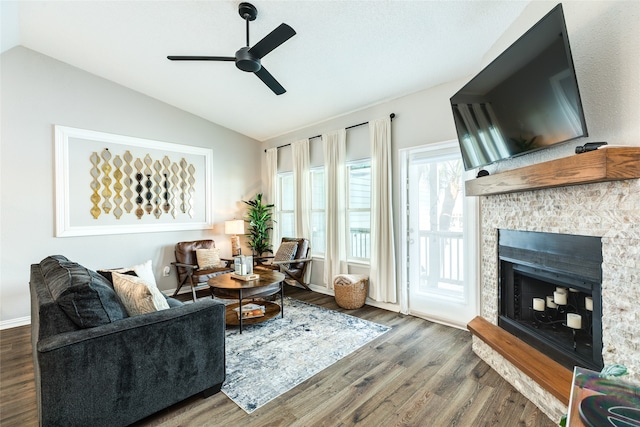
pixel 248 58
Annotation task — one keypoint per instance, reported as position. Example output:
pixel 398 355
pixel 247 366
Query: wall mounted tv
pixel 527 99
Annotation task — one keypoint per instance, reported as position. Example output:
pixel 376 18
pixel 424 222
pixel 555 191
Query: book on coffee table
pixel 250 311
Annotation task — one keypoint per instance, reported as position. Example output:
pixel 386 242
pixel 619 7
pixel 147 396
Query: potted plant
pixel 259 217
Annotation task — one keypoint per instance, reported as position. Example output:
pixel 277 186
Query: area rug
pixel 270 358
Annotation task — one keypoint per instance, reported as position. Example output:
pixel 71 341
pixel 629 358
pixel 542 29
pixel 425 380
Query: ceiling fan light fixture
pixel 246 61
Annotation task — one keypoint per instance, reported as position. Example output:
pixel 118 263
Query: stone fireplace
pixel 609 211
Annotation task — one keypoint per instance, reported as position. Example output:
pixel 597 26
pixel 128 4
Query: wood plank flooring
pixel 418 374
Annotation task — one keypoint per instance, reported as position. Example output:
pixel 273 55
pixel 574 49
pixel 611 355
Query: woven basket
pixel 350 290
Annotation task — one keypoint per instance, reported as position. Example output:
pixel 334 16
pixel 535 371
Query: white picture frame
pixel 73 180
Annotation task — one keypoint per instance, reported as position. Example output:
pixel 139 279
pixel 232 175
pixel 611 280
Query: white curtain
pixel 302 187
pixel 302 190
pixel 382 275
pixel 271 187
pixel 335 193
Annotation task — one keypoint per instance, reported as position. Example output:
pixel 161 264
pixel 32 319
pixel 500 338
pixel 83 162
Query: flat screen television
pixel 525 100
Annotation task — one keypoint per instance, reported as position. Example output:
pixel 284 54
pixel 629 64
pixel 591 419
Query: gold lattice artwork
pixel 153 187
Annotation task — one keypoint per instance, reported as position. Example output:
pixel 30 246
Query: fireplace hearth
pixel 550 294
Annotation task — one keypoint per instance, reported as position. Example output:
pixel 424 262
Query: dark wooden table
pixel 250 289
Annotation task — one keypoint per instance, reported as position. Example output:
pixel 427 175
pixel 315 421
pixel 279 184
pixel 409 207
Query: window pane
pixel 286 225
pixel 360 186
pixel 317 189
pixel 359 234
pixel 286 193
pixel 318 235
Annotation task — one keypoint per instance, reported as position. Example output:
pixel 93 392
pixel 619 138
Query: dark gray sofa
pixel 126 368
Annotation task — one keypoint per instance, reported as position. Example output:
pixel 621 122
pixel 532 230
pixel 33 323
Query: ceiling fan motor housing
pixel 246 61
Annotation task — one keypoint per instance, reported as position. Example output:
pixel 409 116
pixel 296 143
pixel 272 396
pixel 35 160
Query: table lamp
pixel 234 227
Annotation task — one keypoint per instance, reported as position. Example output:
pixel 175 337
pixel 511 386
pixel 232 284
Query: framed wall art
pixel 114 184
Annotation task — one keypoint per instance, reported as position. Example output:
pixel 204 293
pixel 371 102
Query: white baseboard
pixel 383 305
pixel 14 323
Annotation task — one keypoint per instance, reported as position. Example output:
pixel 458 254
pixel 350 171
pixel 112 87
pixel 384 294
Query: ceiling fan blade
pixel 272 40
pixel 201 58
pixel 270 81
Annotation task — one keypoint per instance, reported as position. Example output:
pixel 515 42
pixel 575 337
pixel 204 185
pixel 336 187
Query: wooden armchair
pixel 292 264
pixel 187 267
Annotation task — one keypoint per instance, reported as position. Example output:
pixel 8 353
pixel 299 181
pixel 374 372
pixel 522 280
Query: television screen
pixel 527 99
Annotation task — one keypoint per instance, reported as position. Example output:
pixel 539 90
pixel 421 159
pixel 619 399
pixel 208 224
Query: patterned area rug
pixel 270 358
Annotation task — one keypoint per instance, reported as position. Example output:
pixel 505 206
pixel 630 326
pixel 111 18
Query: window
pixel 359 210
pixel 318 232
pixel 285 206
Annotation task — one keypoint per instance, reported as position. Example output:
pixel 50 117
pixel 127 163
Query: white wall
pixel 421 118
pixel 605 42
pixel 39 92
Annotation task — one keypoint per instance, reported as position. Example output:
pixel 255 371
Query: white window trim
pixel 351 259
pixel 279 210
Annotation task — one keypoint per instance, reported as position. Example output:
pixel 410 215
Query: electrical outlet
pixel 166 271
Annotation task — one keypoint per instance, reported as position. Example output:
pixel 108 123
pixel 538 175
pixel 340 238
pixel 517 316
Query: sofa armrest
pixel 126 370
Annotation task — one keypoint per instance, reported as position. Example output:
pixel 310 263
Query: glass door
pixel 440 267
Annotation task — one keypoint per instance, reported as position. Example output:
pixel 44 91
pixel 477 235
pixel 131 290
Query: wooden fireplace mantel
pixel 548 373
pixel 604 164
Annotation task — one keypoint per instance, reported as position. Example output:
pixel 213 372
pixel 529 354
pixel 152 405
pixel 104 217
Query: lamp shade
pixel 234 227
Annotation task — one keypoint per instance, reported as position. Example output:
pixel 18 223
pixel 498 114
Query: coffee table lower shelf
pixel 271 311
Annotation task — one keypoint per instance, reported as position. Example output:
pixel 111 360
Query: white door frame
pixel 471 234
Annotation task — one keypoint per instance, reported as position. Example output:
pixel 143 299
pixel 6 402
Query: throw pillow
pixel 137 295
pixel 144 271
pixel 86 297
pixel 108 274
pixel 286 251
pixel 208 258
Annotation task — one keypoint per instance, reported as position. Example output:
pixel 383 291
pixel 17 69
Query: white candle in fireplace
pixel 588 303
pixel 550 302
pixel 573 290
pixel 561 289
pixel 574 321
pixel 538 304
pixel 560 298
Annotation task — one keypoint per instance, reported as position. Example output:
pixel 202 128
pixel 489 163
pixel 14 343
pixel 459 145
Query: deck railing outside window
pixel 441 266
pixel 360 242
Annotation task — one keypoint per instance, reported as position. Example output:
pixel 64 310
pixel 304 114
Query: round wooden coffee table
pixel 269 283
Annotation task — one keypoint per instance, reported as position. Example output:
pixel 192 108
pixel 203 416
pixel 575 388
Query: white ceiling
pixel 346 55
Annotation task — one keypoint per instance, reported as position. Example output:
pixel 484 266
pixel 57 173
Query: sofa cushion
pixel 85 296
pixel 138 295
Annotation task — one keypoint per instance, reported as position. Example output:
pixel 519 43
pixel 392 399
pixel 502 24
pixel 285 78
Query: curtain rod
pixel 391 116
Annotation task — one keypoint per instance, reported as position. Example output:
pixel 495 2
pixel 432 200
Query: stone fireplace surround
pixel 610 210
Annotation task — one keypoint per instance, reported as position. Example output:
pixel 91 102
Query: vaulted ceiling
pixel 346 55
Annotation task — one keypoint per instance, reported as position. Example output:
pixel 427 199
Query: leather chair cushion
pixel 201 276
pixel 186 251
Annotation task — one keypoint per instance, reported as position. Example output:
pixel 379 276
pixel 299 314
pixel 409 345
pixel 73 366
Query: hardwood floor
pixel 418 374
